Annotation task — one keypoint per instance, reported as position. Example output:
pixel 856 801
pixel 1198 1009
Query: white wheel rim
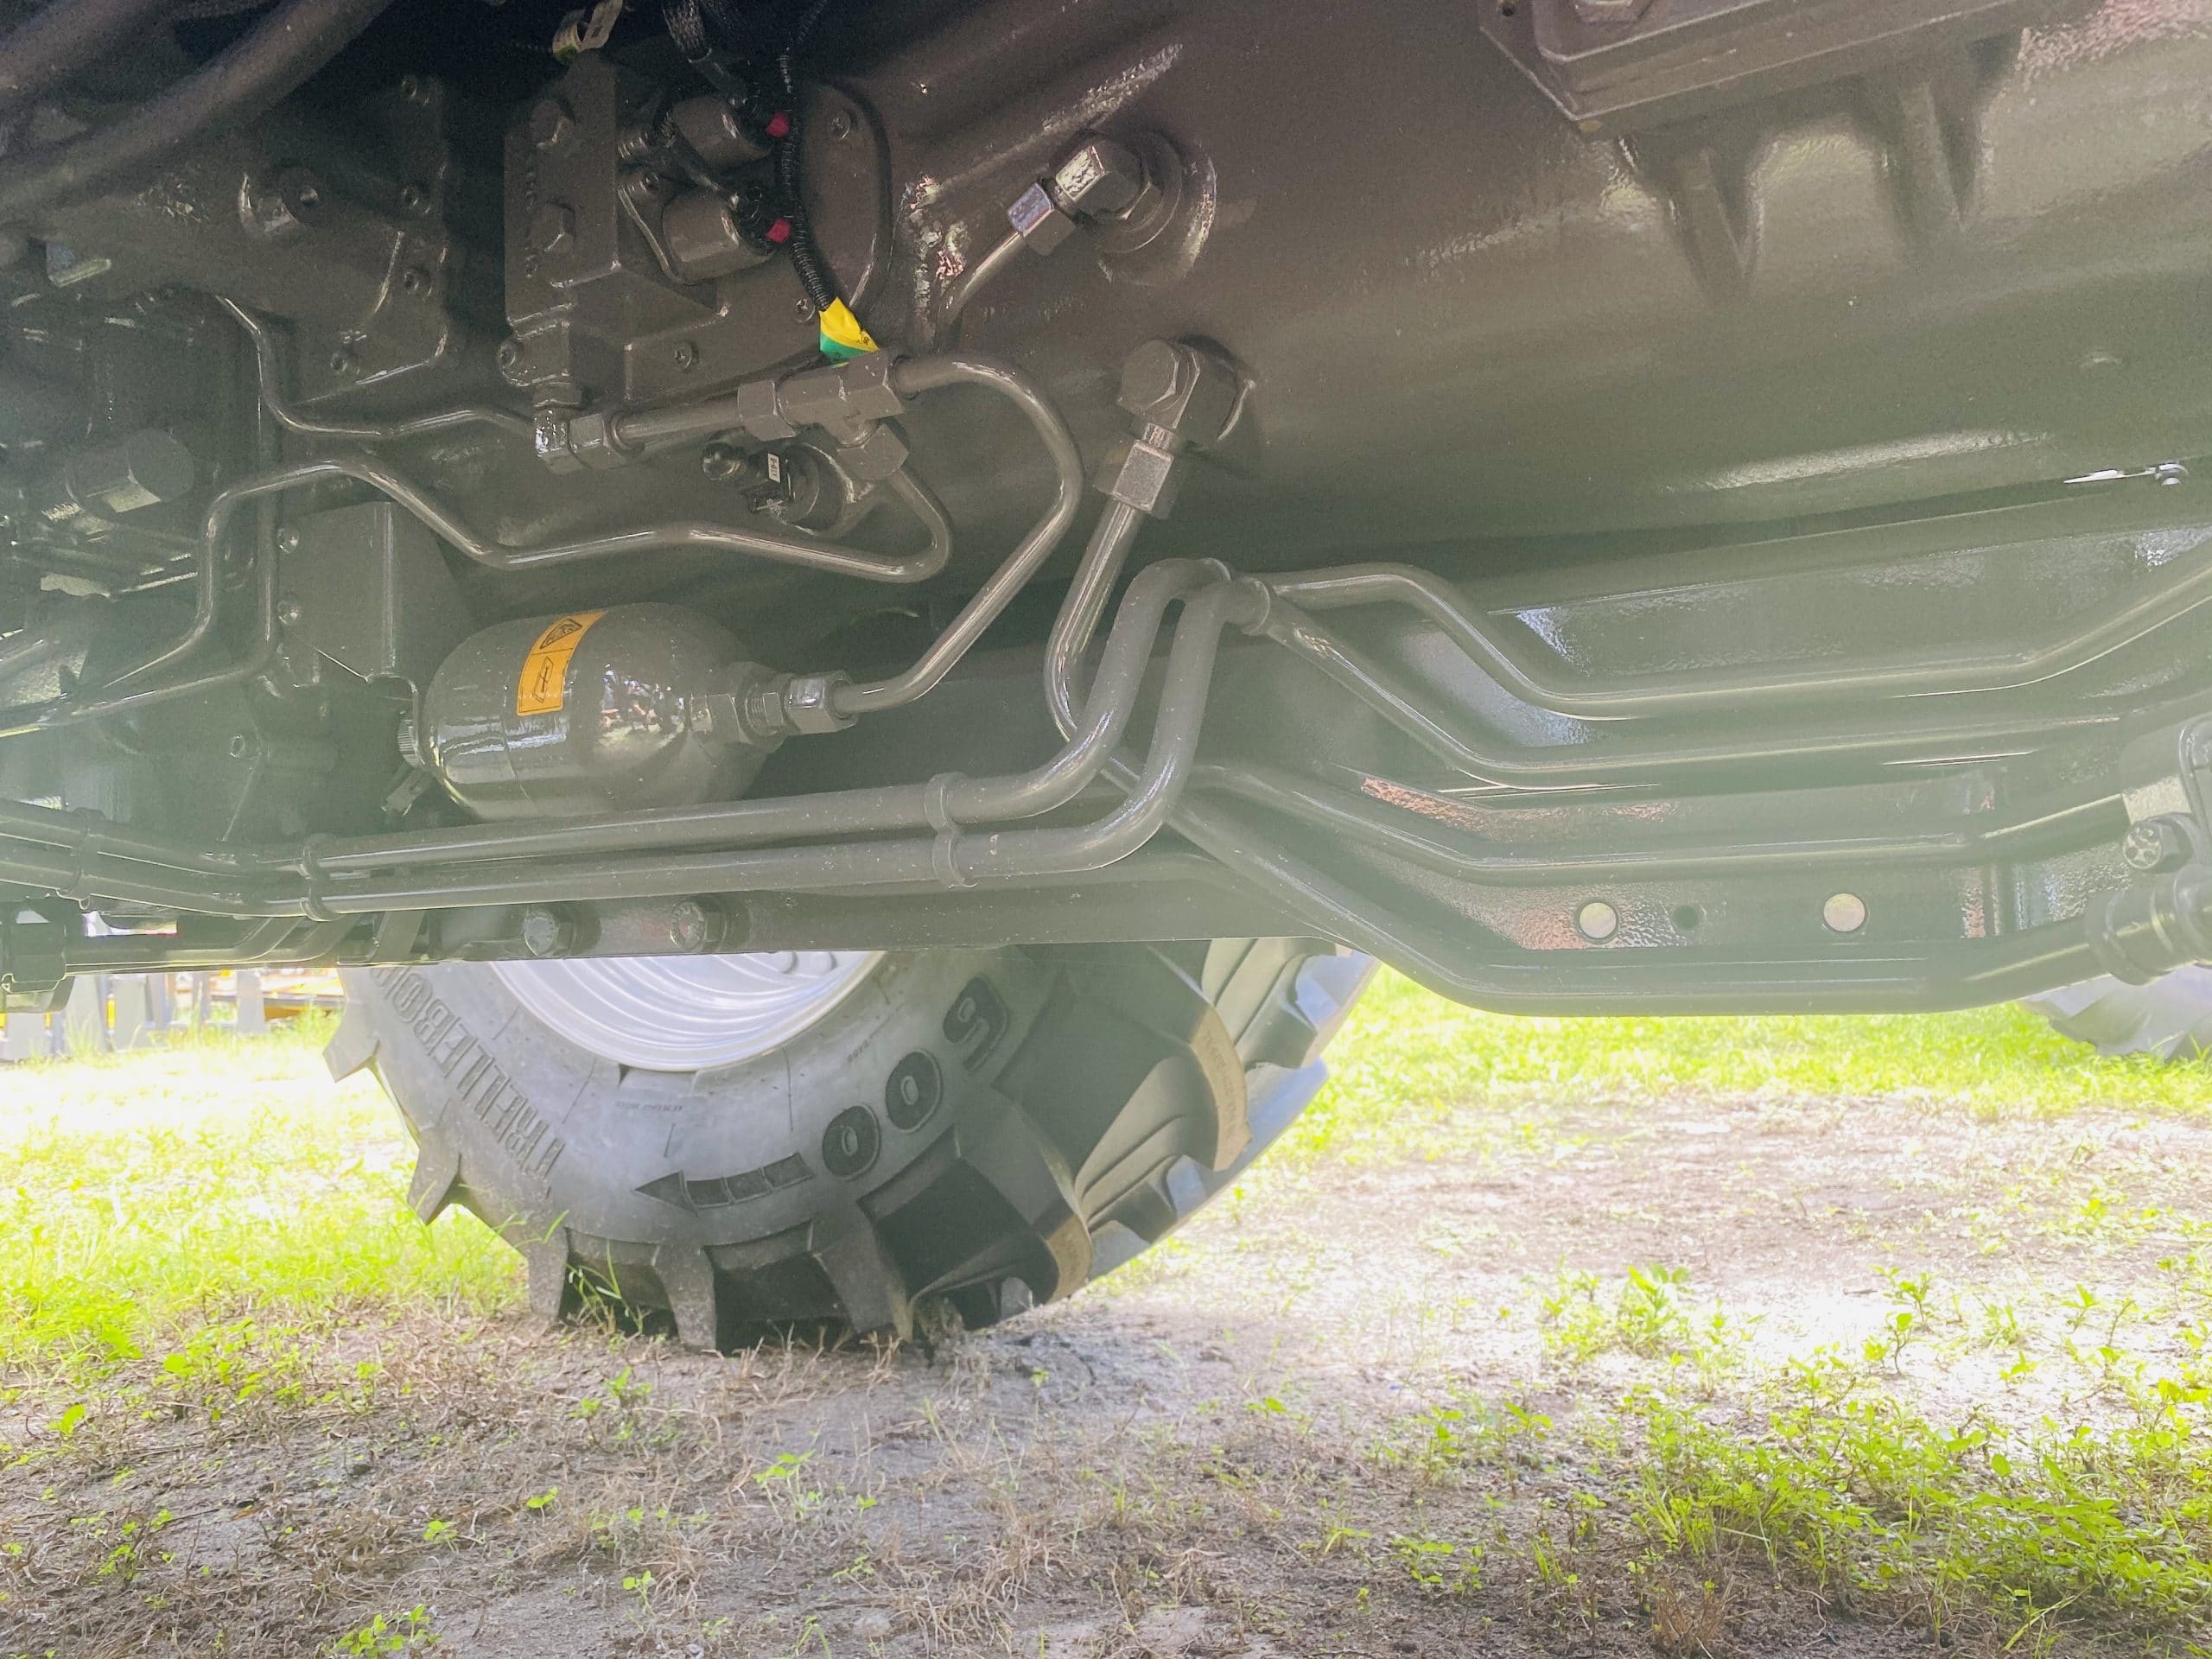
pixel 686 1014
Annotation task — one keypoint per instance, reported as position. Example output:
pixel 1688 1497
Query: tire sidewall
pixel 551 1134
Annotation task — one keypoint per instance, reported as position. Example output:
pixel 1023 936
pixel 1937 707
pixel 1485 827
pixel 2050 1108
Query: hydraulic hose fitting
pixel 1181 394
pixel 1124 191
pixel 1099 179
pixel 2153 927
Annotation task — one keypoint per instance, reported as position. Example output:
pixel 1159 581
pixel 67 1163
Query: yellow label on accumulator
pixel 545 684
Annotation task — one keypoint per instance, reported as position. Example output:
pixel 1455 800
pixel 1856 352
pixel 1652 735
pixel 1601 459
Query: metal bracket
pixel 367 588
pixel 1613 66
pixel 33 954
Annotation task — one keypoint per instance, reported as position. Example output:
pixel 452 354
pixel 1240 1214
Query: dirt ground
pixel 1358 1408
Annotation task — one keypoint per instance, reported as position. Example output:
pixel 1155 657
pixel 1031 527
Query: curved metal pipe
pixel 279 944
pixel 270 368
pixel 860 811
pixel 42 52
pixel 1466 858
pixel 1596 697
pixel 978 275
pixel 1646 757
pixel 951 858
pixel 110 700
pixel 1152 793
pixel 682 535
pixel 1108 551
pixel 85 852
pixel 280 52
pixel 984 607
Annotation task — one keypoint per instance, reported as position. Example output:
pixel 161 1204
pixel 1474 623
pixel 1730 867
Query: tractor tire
pixel 980 1129
pixel 2171 1017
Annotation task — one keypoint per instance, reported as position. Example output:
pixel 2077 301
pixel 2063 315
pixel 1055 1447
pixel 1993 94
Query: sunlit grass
pixel 225 1179
pixel 1415 1075
pixel 146 1196
pixel 1971 1524
pixel 204 1221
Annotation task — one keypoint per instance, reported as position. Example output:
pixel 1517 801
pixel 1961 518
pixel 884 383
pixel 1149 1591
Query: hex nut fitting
pixel 548 437
pixel 843 400
pixel 1038 220
pixel 595 443
pixel 760 707
pixel 746 708
pixel 809 703
pixel 759 409
pixel 874 456
pixel 575 442
pixel 1141 474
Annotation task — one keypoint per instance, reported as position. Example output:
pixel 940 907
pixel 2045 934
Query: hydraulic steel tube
pixel 88 878
pixel 650 538
pixel 2186 588
pixel 110 700
pixel 1645 758
pixel 1436 846
pixel 858 811
pixel 208 572
pixel 979 276
pixel 39 55
pixel 280 944
pixel 28 650
pixel 1103 559
pixel 270 369
pixel 279 53
pixel 912 379
pixel 83 857
pixel 951 857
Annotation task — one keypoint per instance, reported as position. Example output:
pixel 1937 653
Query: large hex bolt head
pixel 1154 375
pixel 693 927
pixel 1188 391
pixel 2156 846
pixel 1098 179
pixel 547 932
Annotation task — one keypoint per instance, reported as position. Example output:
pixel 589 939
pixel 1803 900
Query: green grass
pixel 1415 1076
pixel 149 1200
pixel 189 1222
pixel 1826 1468
pixel 145 1196
pixel 1968 1523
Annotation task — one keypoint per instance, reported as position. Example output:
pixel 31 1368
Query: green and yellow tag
pixel 842 337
